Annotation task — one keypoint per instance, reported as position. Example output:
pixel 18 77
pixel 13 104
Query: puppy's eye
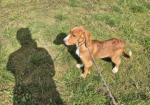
pixel 74 35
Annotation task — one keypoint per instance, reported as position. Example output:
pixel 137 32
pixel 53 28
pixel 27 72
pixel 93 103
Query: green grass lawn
pixel 36 68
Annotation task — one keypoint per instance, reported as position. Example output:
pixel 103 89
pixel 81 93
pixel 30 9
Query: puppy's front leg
pixel 86 69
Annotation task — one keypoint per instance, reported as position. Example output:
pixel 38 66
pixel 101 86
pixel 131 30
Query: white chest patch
pixel 78 51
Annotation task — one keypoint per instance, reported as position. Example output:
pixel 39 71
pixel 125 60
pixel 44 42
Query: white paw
pixel 130 53
pixel 115 70
pixel 82 76
pixel 89 72
pixel 79 65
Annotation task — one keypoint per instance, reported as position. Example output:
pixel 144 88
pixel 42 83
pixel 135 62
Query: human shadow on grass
pixel 33 69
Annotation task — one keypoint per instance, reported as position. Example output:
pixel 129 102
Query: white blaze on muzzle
pixel 65 39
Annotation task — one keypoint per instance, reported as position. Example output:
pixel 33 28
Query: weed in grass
pixel 117 9
pixel 112 19
pixel 138 8
pixel 36 26
pixel 146 42
pixel 146 4
pixel 74 3
pixel 135 5
pixel 9 32
pixel 103 7
pixel 0 50
pixel 60 17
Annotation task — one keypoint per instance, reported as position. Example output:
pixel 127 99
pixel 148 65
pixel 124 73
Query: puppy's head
pixel 78 35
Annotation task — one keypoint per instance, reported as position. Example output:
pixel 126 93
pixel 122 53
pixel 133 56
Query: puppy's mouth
pixel 66 43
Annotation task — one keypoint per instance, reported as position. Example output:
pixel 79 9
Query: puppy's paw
pixel 82 76
pixel 114 70
pixel 79 65
pixel 89 72
pixel 130 53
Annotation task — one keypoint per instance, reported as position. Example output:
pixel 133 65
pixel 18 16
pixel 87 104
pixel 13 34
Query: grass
pixel 37 68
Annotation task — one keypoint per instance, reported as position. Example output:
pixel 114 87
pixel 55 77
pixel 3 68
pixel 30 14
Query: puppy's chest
pixel 78 51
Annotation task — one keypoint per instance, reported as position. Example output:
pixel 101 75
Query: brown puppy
pixel 112 48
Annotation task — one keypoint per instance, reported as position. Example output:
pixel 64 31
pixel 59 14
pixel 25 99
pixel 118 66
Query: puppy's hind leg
pixel 117 62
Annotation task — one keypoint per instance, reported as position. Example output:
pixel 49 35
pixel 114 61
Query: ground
pixel 37 68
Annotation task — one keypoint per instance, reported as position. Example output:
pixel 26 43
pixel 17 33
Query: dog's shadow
pixel 109 60
pixel 71 49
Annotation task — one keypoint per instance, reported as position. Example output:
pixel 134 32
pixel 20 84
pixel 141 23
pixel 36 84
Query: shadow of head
pixel 59 39
pixel 71 49
pixel 24 37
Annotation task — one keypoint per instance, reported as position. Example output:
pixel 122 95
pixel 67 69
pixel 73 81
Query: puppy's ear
pixel 88 37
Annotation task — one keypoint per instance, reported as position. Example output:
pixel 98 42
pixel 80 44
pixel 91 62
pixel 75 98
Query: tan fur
pixel 112 48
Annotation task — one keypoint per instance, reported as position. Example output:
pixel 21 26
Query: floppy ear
pixel 88 37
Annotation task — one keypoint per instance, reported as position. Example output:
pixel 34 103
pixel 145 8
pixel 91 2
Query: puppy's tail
pixel 126 55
